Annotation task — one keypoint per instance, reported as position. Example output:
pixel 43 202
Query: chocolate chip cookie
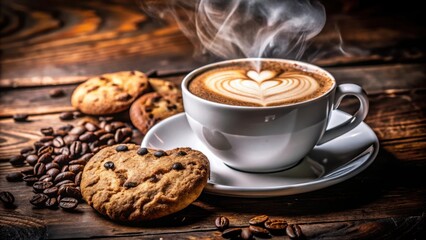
pixel 153 107
pixel 132 184
pixel 109 93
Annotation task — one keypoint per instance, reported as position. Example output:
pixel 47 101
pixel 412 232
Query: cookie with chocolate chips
pixel 109 93
pixel 153 107
pixel 133 184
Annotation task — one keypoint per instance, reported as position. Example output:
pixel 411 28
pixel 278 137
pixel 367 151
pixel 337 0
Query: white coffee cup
pixel 268 139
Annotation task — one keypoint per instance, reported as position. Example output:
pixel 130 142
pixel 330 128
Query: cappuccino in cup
pixel 265 118
pixel 275 84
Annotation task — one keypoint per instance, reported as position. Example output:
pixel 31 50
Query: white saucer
pixel 326 165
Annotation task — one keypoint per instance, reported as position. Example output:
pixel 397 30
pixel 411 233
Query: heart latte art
pixel 263 88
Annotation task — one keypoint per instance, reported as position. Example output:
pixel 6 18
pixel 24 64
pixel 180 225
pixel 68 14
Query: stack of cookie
pixel 149 100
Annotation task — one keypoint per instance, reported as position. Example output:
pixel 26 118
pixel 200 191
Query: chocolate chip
pixel 181 153
pixel 130 184
pixel 20 117
pixel 109 165
pixel 121 148
pixel 160 153
pixel 177 166
pixel 142 151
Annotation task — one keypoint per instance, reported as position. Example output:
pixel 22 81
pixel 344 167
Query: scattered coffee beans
pixel 14 177
pixel 20 117
pixel 7 198
pixel 56 93
pixel 260 226
pixel 222 223
pixel 58 158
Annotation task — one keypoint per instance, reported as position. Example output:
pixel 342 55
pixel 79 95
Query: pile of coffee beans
pixel 58 158
pixel 259 226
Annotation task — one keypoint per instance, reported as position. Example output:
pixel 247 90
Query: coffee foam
pixel 273 85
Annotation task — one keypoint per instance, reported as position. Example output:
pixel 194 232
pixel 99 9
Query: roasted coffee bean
pixel 48 131
pixel 64 168
pixel 127 140
pixel 45 149
pixel 79 130
pixel 259 231
pixel 60 133
pixel 45 178
pixel 20 117
pixel 65 151
pixel 77 179
pixel 37 145
pixel 27 151
pixel 91 127
pixel 64 176
pixel 40 186
pixel 51 192
pixel 142 151
pixel 53 172
pixel 63 183
pixel 246 234
pixel 122 134
pixel 118 124
pixel 111 142
pixel 58 142
pixel 75 149
pixel 46 139
pixel 294 231
pixel 181 153
pixel 66 116
pixel 32 159
pixel 87 137
pixel 77 114
pixel 68 203
pixel 7 198
pixel 106 119
pixel 61 160
pixel 39 169
pixel 17 160
pixel 14 177
pixel 69 191
pixel 97 149
pixel 86 157
pixel 30 179
pixel 160 153
pixel 104 138
pixel 51 202
pixel 84 149
pixel 57 151
pixel 56 93
pixel 100 133
pixel 52 165
pixel 276 226
pixel 231 233
pixel 49 143
pixel 27 171
pixel 68 139
pixel 221 223
pixel 258 220
pixel 79 161
pixel 109 128
pixel 66 128
pixel 39 200
pixel 177 166
pixel 75 168
pixel 109 165
pixel 121 148
pixel 45 158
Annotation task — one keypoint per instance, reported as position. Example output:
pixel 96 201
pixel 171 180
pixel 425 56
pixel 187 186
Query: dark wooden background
pixel 50 44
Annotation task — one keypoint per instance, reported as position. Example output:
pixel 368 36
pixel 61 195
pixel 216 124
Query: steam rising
pixel 245 28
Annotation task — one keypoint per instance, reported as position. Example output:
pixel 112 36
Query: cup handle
pixel 342 91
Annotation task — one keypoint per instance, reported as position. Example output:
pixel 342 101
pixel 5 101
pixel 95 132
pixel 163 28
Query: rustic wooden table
pixel 49 45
